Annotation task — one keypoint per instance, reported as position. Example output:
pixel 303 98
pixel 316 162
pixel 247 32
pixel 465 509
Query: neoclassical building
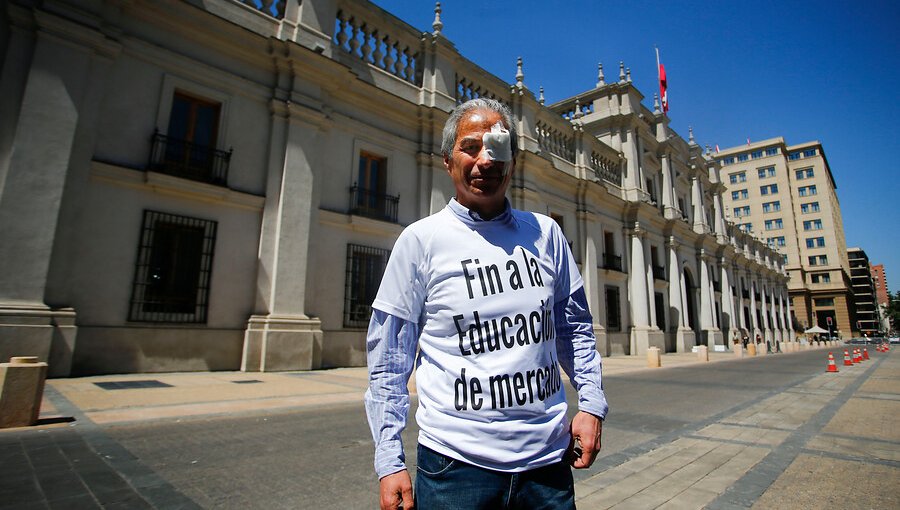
pixel 218 185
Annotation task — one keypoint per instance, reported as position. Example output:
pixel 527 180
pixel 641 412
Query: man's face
pixel 479 180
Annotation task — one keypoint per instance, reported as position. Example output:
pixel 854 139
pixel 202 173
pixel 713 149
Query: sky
pixel 803 70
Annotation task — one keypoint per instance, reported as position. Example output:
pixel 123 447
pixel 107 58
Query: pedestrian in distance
pixel 488 304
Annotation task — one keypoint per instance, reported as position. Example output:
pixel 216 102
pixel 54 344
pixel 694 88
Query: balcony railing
pixel 659 272
pixel 364 202
pixel 182 158
pixel 613 262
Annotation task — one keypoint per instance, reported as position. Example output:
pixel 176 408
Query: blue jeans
pixel 445 483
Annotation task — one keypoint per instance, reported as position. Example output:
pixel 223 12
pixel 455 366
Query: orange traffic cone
pixel 857 357
pixel 865 353
pixel 847 362
pixel 831 366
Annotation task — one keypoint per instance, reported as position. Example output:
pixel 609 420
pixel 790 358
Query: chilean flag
pixel 663 95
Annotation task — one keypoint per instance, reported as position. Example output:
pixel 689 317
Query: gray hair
pixel 451 128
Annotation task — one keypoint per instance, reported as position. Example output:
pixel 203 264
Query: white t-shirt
pixel 489 385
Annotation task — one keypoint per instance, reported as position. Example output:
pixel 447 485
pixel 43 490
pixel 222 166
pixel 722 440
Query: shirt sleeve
pixel 391 349
pixel 577 351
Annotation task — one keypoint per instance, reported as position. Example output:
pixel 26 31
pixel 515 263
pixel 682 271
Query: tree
pixel 893 311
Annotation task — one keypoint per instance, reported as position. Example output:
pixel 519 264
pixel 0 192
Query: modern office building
pixel 786 195
pixel 882 293
pixel 217 185
pixel 868 319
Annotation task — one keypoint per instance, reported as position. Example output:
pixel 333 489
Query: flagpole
pixel 657 65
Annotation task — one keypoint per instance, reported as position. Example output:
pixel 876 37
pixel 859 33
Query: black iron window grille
pixel 173 270
pixel 182 158
pixel 372 204
pixel 365 267
pixel 611 261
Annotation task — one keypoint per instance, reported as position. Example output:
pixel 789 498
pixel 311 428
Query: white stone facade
pixel 213 187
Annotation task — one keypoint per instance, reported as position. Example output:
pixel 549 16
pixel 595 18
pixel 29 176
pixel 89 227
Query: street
pixel 763 432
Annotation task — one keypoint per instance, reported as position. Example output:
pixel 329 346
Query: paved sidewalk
pixel 800 448
pixel 830 441
pixel 122 398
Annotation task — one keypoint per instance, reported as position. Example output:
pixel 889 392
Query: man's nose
pixel 484 160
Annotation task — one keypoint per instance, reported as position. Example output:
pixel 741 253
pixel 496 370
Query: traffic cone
pixel 865 353
pixel 847 362
pixel 831 366
pixel 856 357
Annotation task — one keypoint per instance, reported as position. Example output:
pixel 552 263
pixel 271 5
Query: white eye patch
pixel 497 144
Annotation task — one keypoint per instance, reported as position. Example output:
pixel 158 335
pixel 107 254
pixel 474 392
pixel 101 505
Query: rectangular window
pixel 739 194
pixel 737 177
pixel 728 161
pixel 772 151
pixel 804 173
pixel 188 148
pixel 794 156
pixel 776 241
pixel 808 153
pixel 173 270
pixel 756 154
pixel 768 171
pixel 368 195
pixel 746 227
pixel 810 207
pixel 821 278
pixel 770 189
pixel 824 302
pixel 775 224
pixel 743 157
pixel 815 242
pixel 812 225
pixel 613 320
pixel 818 260
pixel 365 268
pixel 772 206
pixel 805 191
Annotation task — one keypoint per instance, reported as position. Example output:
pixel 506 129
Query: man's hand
pixel 396 489
pixel 586 428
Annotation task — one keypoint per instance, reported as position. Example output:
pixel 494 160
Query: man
pixel 493 300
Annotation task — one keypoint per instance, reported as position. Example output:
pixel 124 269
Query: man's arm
pixel 391 349
pixel 579 359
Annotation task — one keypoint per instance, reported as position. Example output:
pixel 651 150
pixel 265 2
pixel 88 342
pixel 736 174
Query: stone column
pixel 765 306
pixel 651 292
pixel 641 336
pixel 592 289
pixel 727 303
pixel 684 337
pixel 697 202
pixel 50 93
pixel 719 217
pixel 638 281
pixel 711 334
pixel 280 336
pixel 755 329
pixel 668 192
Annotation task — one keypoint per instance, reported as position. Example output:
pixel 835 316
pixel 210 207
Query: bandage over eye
pixel 497 143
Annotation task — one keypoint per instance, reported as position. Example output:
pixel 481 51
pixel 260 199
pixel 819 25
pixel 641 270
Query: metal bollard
pixel 21 391
pixel 653 358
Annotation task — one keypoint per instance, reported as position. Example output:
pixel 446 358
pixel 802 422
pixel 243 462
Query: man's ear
pixel 447 163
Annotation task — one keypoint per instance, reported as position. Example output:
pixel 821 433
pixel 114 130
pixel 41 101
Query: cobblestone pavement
pixel 766 432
